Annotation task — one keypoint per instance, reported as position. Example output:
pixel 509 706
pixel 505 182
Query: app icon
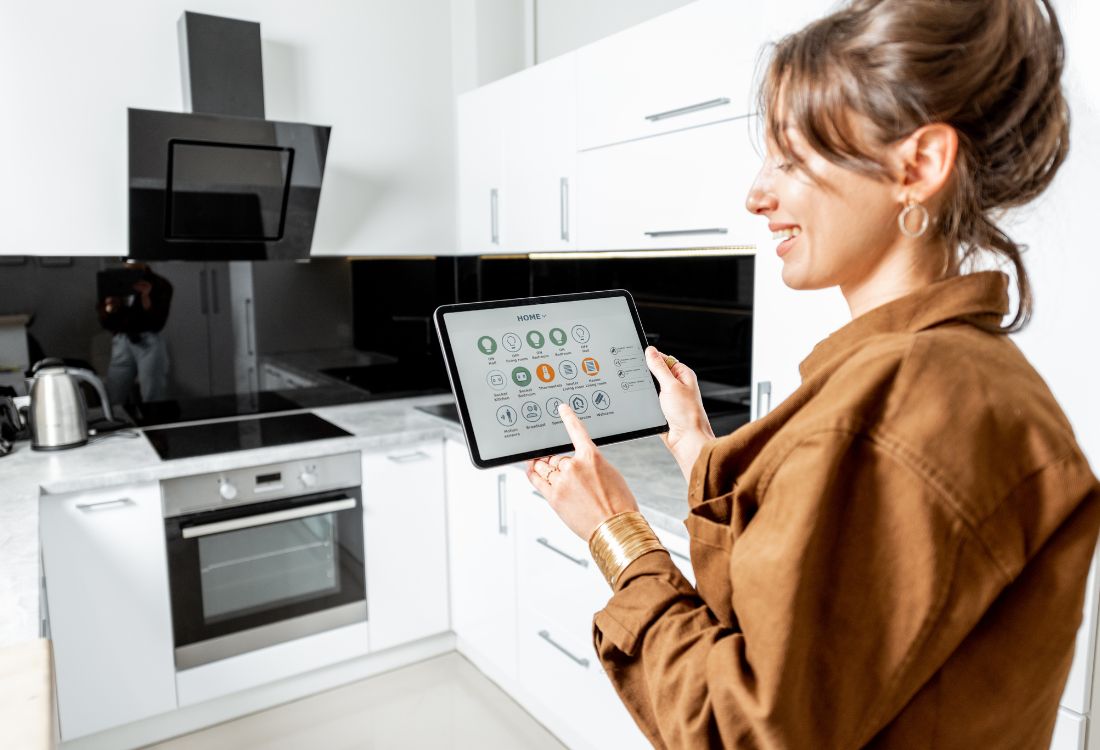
pixel 557 335
pixel 521 376
pixel 535 339
pixel 486 344
pixel 580 334
pixel 590 366
pixel 567 369
pixel 512 342
pixel 545 372
pixel 578 402
pixel 601 400
pixel 552 406
pixel 506 415
pixel 496 380
pixel 532 412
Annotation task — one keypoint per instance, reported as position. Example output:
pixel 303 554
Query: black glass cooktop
pixel 192 440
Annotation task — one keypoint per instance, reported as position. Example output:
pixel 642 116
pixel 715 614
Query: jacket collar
pixel 975 296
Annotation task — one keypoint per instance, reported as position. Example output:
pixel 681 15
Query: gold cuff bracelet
pixel 619 541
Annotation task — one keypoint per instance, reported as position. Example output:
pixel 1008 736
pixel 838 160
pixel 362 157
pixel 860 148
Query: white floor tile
pixel 440 704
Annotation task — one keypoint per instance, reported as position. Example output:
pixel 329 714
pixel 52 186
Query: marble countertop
pixel 26 475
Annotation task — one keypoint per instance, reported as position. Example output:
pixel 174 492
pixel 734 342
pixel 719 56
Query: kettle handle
pixel 89 377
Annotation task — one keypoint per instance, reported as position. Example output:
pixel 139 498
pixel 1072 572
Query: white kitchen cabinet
pixel 481 167
pixel 685 68
pixel 1069 731
pixel 405 538
pixel 482 562
pixel 559 590
pixel 540 165
pixel 683 189
pixel 107 595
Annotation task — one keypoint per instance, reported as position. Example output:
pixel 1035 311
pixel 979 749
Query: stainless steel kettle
pixel 58 415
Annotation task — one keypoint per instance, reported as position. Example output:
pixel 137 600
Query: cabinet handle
pixel 545 635
pixel 719 102
pixel 203 302
pixel 502 508
pixel 680 232
pixel 408 458
pixel 120 502
pixel 248 325
pixel 763 388
pixel 565 209
pixel 214 291
pixel 578 560
pixel 494 215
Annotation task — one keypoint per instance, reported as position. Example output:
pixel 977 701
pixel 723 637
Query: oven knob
pixel 227 490
pixel 308 478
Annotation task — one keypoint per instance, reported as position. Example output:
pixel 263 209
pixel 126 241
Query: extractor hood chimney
pixel 222 65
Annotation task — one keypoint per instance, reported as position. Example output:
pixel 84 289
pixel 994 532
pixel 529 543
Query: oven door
pixel 251 576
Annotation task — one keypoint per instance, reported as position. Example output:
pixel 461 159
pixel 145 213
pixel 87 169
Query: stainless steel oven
pixel 263 555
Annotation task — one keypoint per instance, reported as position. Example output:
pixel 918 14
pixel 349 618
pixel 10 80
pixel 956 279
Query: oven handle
pixel 248 522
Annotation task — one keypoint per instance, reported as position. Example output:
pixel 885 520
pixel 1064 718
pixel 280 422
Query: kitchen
pixel 457 169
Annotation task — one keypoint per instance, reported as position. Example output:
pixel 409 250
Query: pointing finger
pixel 577 433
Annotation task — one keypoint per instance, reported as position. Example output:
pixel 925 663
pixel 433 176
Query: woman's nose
pixel 760 200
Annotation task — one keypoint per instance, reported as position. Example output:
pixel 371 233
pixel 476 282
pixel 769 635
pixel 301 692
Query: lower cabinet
pixel 559 591
pixel 482 562
pixel 1069 731
pixel 107 598
pixel 405 541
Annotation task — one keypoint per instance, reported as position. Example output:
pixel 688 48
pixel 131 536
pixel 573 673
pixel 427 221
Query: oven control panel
pixel 255 484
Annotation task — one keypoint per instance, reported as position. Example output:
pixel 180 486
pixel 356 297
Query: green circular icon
pixel 486 344
pixel 557 335
pixel 535 339
pixel 521 376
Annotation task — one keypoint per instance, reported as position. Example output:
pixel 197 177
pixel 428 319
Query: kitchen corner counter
pixel 27 475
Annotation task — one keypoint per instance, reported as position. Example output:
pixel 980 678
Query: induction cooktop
pixel 187 441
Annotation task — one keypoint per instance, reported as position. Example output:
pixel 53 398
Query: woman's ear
pixel 927 161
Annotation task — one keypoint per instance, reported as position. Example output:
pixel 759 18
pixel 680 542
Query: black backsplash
pixel 697 308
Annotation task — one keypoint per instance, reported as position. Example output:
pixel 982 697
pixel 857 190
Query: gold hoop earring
pixel 903 217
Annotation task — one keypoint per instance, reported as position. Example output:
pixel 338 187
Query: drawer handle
pixel 545 635
pixel 578 560
pixel 408 458
pixel 682 232
pixel 763 390
pixel 120 502
pixel 502 506
pixel 719 102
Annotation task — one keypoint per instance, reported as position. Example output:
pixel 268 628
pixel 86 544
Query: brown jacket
pixel 894 558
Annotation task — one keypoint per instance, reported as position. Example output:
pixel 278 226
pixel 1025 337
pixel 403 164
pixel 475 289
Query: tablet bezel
pixel 456 386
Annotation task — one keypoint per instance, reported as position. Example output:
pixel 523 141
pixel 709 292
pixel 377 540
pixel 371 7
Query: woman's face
pixel 833 230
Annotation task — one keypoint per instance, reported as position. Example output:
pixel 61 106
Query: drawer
pixel 682 69
pixel 557 575
pixel 1069 731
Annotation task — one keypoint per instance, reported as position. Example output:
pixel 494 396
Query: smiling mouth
pixel 786 234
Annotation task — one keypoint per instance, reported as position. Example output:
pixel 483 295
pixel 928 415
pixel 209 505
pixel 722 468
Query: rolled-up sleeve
pixel 851 585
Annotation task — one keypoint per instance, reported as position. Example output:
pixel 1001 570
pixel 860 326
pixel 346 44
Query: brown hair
pixel 989 68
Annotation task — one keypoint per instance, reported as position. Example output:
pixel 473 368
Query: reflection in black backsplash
pixel 696 308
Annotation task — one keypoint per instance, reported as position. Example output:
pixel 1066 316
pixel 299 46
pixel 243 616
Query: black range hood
pixel 221 182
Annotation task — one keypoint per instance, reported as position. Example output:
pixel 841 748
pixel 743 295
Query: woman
pixel 896 556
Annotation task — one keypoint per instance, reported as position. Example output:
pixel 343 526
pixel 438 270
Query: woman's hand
pixel 583 489
pixel 682 404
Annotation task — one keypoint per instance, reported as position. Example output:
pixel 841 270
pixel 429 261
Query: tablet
pixel 512 362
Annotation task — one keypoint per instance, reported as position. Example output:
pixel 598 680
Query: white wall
pixel 378 71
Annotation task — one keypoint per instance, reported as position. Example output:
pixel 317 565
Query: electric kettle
pixel 58 415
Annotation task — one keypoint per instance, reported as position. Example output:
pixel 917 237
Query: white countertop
pixel 27 475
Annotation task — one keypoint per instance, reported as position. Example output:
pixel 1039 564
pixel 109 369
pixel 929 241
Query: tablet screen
pixel 516 364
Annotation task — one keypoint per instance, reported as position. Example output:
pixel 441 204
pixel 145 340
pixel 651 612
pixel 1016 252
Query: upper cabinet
pixel 540 158
pixel 481 167
pixel 683 189
pixel 685 68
